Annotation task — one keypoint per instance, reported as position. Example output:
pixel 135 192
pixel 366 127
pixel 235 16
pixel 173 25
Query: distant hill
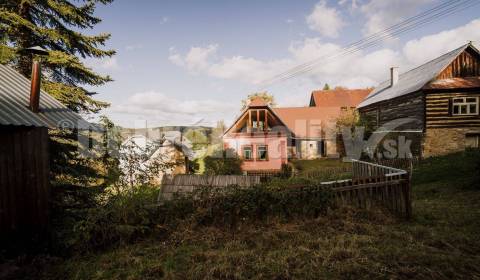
pixel 156 133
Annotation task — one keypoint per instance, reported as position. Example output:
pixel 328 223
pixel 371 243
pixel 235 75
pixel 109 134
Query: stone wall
pixel 442 141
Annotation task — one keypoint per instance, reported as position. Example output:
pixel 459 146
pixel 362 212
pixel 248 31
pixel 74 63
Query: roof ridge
pixel 458 50
pixel 431 60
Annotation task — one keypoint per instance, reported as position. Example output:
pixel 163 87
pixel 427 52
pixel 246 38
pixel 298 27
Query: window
pixel 247 153
pixel 465 106
pixel 262 152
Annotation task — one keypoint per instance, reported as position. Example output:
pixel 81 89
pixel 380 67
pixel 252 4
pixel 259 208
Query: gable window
pixel 247 153
pixel 262 152
pixel 465 106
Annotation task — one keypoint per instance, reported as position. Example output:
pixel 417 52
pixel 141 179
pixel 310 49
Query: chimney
pixel 393 76
pixel 35 88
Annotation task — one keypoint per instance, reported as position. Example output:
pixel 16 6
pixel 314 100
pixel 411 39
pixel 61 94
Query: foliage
pixel 61 27
pixel 197 137
pixel 142 165
pixel 232 204
pixel 56 26
pixel 223 162
pixel 326 87
pixel 217 133
pixel 348 119
pixel 123 217
pixel 441 242
pixel 111 141
pixel 134 214
pixel 268 98
pixel 286 171
pixel 322 169
pixel 194 166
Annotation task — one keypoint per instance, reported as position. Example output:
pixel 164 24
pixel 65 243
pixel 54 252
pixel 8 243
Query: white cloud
pixel 325 20
pixel 163 109
pixel 360 69
pixel 353 70
pixel 440 43
pixel 106 63
pixel 289 20
pixel 353 5
pixel 197 59
pixel 381 14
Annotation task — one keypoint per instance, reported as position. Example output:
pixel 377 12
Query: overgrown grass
pixel 323 169
pixel 440 242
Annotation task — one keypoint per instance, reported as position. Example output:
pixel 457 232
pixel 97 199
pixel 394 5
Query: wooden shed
pixel 26 114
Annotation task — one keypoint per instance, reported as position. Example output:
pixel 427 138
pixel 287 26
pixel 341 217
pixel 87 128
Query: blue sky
pixel 185 62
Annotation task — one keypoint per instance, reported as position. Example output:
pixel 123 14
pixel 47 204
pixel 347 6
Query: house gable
pixel 466 64
pixel 256 119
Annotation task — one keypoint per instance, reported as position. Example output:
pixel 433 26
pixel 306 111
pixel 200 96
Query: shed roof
pixel 414 79
pixel 14 101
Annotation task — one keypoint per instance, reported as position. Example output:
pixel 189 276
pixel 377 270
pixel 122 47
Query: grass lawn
pixel 442 241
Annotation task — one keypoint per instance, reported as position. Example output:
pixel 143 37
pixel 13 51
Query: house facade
pixel 438 100
pixel 266 137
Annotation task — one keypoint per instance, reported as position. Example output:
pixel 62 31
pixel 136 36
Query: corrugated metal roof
pixel 14 101
pixel 412 80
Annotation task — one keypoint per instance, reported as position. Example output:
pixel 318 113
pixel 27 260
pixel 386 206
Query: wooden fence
pixel 374 184
pixel 371 184
pixel 188 183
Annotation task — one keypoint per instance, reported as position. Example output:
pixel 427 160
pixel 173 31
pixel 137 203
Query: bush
pixel 286 171
pixel 124 217
pixel 229 205
pixel 224 162
pixel 131 215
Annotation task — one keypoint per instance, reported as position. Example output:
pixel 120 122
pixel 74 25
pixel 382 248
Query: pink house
pixel 267 137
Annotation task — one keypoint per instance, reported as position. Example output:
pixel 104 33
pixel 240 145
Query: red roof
pixel 257 102
pixel 306 122
pixel 339 97
pixel 454 83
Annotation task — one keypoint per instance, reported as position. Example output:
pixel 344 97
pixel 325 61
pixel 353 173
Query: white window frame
pixel 460 104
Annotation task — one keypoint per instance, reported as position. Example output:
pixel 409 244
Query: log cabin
pixel 441 99
pixel 26 115
pixel 266 137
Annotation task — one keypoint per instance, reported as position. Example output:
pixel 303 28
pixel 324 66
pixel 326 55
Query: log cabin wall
pixel 446 132
pixel 439 111
pixel 410 106
pixel 24 180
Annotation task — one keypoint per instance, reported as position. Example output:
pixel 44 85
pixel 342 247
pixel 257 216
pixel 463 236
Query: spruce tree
pixel 56 25
pixel 59 26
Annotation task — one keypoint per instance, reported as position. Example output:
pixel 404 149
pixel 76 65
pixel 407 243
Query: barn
pixel 440 99
pixel 26 115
